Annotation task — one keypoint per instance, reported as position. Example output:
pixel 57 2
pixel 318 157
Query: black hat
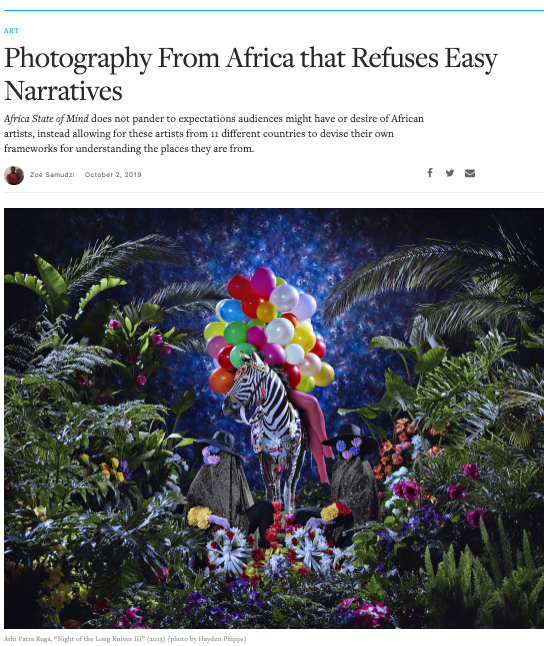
pixel 349 431
pixel 223 440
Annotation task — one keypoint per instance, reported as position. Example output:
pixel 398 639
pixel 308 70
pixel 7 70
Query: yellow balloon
pixel 213 329
pixel 304 337
pixel 267 312
pixel 306 324
pixel 325 376
pixel 306 384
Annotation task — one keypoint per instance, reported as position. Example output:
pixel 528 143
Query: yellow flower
pixel 83 593
pixel 84 456
pixel 44 602
pixel 66 589
pixel 58 599
pixel 106 474
pixel 202 517
pixel 34 564
pixel 55 572
pixel 58 548
pixel 153 605
pixel 9 565
pixel 40 512
pixel 103 466
pixel 191 516
pixel 115 463
pixel 330 512
pixel 120 477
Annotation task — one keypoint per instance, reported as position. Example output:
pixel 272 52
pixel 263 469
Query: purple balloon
pixel 263 281
pixel 305 308
pixel 274 353
pixel 257 336
pixel 215 345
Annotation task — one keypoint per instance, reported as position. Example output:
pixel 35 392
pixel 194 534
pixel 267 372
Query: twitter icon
pixel 449 173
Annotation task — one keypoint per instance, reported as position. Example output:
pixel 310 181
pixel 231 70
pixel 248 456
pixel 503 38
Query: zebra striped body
pixel 276 432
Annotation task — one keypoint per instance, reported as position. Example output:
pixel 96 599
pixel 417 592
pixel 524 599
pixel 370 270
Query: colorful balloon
pixel 257 336
pixel 214 329
pixel 320 348
pixel 266 312
pixel 235 333
pixel 305 308
pixel 232 311
pixel 250 303
pixel 224 358
pixel 294 354
pixel 293 374
pixel 274 353
pixel 285 297
pixel 306 384
pixel 310 366
pixel 263 281
pixel 218 308
pixel 221 381
pixel 325 376
pixel 280 331
pixel 215 345
pixel 303 336
pixel 305 324
pixel 236 359
pixel 239 287
pixel 254 322
pixel 280 281
pixel 290 318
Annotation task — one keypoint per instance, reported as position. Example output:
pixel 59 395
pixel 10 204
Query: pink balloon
pixel 257 336
pixel 263 282
pixel 215 345
pixel 274 353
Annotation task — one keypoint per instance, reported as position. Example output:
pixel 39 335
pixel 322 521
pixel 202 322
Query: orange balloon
pixel 291 318
pixel 221 381
pixel 267 312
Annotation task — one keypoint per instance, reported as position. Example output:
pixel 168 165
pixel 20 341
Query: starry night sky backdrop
pixel 310 248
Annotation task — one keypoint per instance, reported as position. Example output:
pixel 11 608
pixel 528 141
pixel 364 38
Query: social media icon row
pixel 469 172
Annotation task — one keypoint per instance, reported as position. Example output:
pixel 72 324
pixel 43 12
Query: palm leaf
pixel 31 282
pixel 56 287
pixel 106 283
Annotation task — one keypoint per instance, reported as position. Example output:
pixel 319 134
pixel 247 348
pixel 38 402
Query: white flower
pixel 231 554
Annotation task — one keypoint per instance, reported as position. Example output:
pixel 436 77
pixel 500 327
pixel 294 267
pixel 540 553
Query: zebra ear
pixel 245 357
pixel 257 359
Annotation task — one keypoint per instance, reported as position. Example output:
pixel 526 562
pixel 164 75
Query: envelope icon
pixel 469 172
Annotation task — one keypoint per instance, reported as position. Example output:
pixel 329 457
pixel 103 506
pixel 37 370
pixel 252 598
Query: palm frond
pixel 102 260
pixel 180 300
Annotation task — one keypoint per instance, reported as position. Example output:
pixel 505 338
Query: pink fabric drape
pixel 311 414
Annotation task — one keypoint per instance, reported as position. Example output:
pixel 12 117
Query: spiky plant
pixel 495 284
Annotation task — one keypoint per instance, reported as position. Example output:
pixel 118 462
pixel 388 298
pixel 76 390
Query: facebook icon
pixel 430 172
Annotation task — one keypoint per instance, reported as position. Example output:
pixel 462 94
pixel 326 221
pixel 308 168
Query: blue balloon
pixel 319 336
pixel 231 311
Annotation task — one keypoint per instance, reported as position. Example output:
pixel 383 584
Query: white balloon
pixel 305 308
pixel 218 308
pixel 310 366
pixel 284 297
pixel 280 331
pixel 294 354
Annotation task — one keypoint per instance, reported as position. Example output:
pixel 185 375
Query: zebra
pixel 276 432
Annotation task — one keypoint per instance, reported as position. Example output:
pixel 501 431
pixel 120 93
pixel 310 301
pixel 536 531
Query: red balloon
pixel 293 374
pixel 250 303
pixel 221 381
pixel 239 287
pixel 291 317
pixel 224 358
pixel 319 349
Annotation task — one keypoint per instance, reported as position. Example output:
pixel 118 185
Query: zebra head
pixel 246 390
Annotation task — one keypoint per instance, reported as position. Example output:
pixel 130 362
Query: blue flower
pixel 217 614
pixel 354 450
pixel 238 587
pixel 237 616
pixel 341 446
pixel 196 599
pixel 213 449
pixel 387 542
pixel 206 460
pixel 381 568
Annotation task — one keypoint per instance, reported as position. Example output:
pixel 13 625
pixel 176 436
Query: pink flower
pixel 100 398
pixel 346 603
pixel 346 455
pixel 402 447
pixel 213 459
pixel 456 492
pixel 206 451
pixel 381 495
pixel 166 349
pixel 141 380
pixel 398 488
pixel 410 491
pixel 471 471
pixel 140 626
pixel 132 613
pixel 81 380
pixel 132 358
pixel 114 324
pixel 356 442
pixel 163 576
pixel 289 518
pixel 156 339
pixel 473 517
pixel 123 622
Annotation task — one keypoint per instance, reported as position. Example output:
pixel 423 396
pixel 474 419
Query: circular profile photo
pixel 14 175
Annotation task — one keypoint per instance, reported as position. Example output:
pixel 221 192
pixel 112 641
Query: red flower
pixel 402 437
pixel 81 381
pixel 101 606
pixel 381 495
pixel 471 471
pixel 211 567
pixel 385 459
pixel 386 446
pixel 292 556
pixel 258 555
pixel 410 491
pixel 397 460
pixel 303 572
pixel 254 580
pixel 456 492
pixel 114 324
pixel 294 542
pixel 474 516
pixel 214 545
pixel 141 380
pixel 156 339
pixel 388 469
pixel 377 472
pixel 433 431
pixel 250 540
pixel 343 511
pixel 73 623
pixel 100 398
pixel 312 536
pixel 230 535
pixel 166 349
pixel 398 489
pixel 330 543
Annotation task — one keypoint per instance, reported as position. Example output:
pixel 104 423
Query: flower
pixel 386 541
pixel 456 492
pixel 73 623
pixel 206 451
pixel 471 471
pixel 356 442
pixel 329 513
pixel 101 606
pixel 58 599
pixel 385 447
pixel 213 449
pixel 81 380
pixel 354 450
pixel 398 488
pixel 341 446
pixel 131 358
pixel 114 324
pixel 474 516
pixel 83 593
pixel 380 495
pixel 403 437
pixel 156 339
pixel 141 380
pixel 342 509
pixel 410 491
pixel 378 475
pixel 213 459
pixel 239 587
pixel 100 398
pixel 196 599
pixel 166 349
pixel 346 455
pixel 397 459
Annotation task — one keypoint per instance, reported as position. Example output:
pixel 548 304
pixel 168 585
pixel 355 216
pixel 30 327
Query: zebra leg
pixel 297 472
pixel 268 486
pixel 292 475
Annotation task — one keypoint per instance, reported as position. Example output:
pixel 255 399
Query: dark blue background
pixel 310 248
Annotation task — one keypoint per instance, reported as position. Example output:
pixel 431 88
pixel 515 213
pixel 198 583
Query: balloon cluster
pixel 269 315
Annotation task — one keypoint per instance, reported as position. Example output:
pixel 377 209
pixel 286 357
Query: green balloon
pixel 235 333
pixel 236 359
pixel 256 322
pixel 306 384
pixel 280 281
